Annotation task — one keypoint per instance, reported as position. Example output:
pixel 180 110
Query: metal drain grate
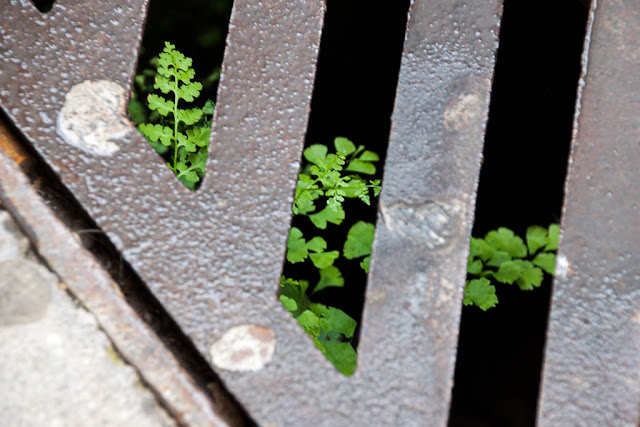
pixel 227 240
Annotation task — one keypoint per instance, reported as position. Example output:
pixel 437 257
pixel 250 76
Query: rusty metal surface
pixel 213 257
pixel 414 295
pixel 84 278
pixel 592 365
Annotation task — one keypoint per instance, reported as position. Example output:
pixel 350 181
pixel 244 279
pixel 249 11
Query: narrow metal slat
pixel 592 362
pixel 414 295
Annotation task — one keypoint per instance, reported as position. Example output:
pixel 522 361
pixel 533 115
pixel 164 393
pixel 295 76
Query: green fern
pixel 323 186
pixel 182 136
pixel 502 256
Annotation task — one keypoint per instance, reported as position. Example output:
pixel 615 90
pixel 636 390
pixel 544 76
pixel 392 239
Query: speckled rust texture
pixel 213 258
pixel 592 365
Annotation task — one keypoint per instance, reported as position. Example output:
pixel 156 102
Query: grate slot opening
pixel 527 143
pixel 353 97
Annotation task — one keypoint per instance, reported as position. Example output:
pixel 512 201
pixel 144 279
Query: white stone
pixel 93 115
pixel 244 348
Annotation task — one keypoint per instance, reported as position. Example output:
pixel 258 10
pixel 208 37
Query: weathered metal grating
pixel 234 233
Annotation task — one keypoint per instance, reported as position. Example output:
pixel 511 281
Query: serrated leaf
pixel 536 238
pixel 330 277
pixel 359 240
pixel 324 259
pixel 157 132
pixel 316 154
pixel 159 104
pixel 189 91
pixel 189 116
pixel 530 277
pixel 320 219
pixel 344 145
pixel 508 272
pixel 359 166
pixel 296 246
pixel 184 141
pixel 199 136
pixel 546 261
pixel 504 239
pixel 336 320
pixel 309 322
pixel 365 264
pixel 163 83
pixel 480 292
pixel 554 237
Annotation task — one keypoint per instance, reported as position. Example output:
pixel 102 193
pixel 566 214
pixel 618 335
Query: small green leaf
pixel 157 132
pixel 369 156
pixel 359 240
pixel 474 267
pixel 365 264
pixel 190 116
pixel 160 104
pixel 498 258
pixel 296 246
pixel 189 91
pixel 163 84
pixel 289 303
pixel 480 292
pixel 530 277
pixel 309 322
pixel 199 136
pixel 336 320
pixel 504 239
pixel 508 272
pixel 360 166
pixel 546 261
pixel 481 249
pixel 329 277
pixel 324 259
pixel 536 238
pixel 341 354
pixel 317 244
pixel 209 107
pixel 327 214
pixel 316 154
pixel 344 145
pixel 554 237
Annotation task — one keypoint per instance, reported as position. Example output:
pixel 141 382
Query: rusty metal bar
pixel 412 311
pixel 213 257
pixel 592 367
pixel 93 287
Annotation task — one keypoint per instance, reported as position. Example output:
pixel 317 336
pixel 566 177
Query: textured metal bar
pixel 592 367
pixel 213 258
pixel 94 289
pixel 414 296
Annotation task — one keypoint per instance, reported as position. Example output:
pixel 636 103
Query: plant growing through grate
pixel 504 257
pixel 326 180
pixel 182 135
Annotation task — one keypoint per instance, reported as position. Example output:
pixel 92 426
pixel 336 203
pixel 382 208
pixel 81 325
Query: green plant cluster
pixel 179 135
pixel 323 185
pixel 503 257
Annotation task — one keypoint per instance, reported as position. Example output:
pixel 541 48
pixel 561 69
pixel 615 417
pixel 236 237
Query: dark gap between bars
pixel 44 6
pixel 353 97
pixel 528 137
